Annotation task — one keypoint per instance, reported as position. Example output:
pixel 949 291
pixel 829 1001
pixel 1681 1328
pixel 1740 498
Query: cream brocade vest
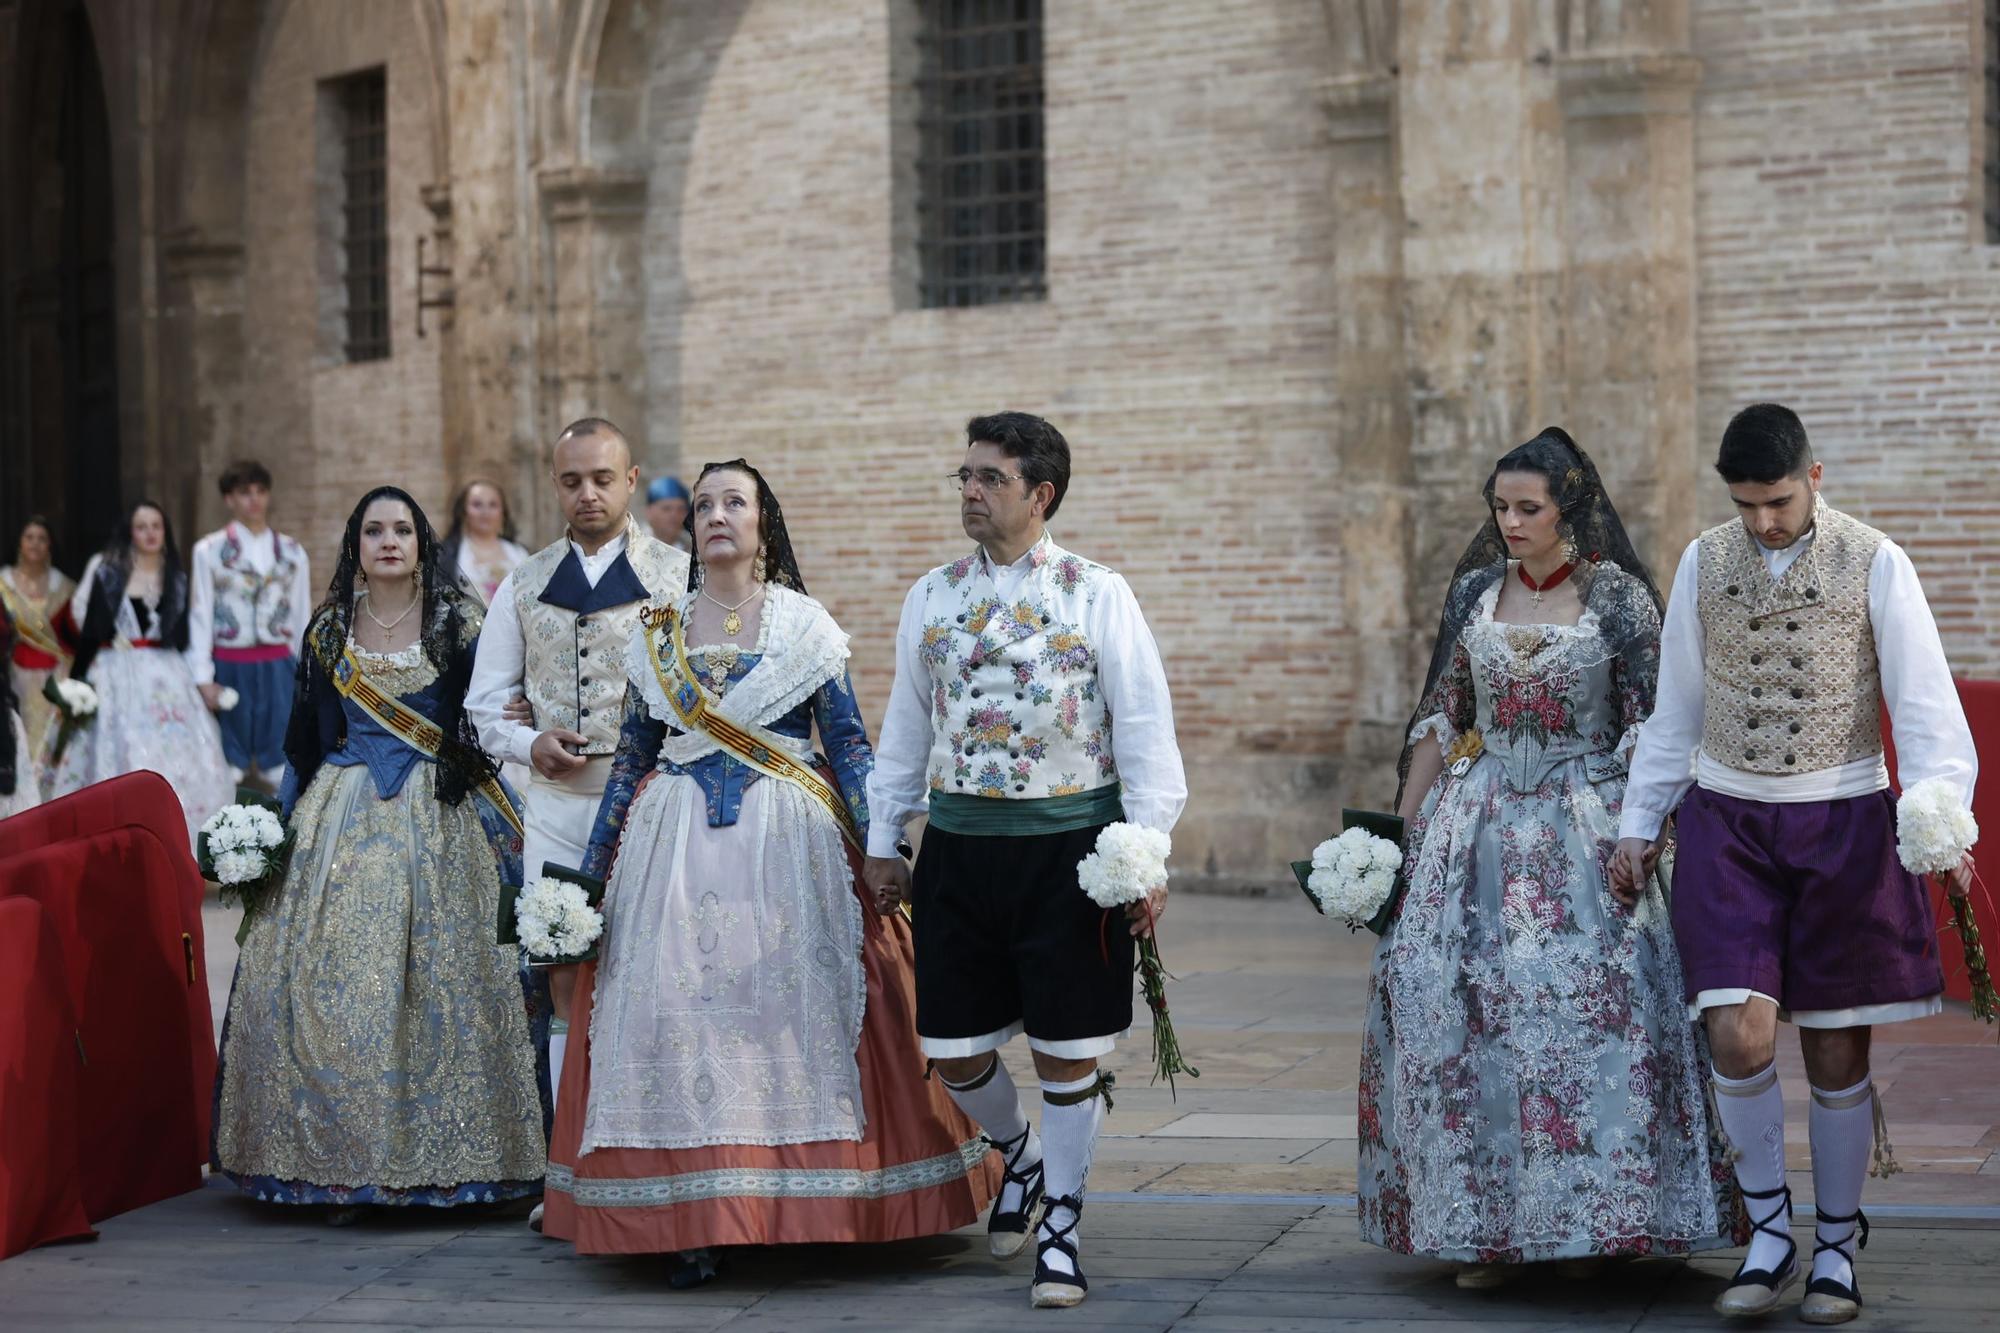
pixel 1016 711
pixel 574 664
pixel 1792 680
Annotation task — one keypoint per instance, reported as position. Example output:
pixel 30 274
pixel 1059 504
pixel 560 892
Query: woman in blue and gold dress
pixel 751 1074
pixel 377 1048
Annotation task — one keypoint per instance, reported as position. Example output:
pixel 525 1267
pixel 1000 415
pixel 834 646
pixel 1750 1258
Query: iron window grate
pixel 982 233
pixel 365 211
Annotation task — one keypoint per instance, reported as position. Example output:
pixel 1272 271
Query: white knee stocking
pixel 1753 1116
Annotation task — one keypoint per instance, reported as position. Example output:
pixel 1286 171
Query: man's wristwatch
pixel 904 850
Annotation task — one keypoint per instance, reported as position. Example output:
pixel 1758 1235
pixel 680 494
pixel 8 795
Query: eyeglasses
pixel 989 479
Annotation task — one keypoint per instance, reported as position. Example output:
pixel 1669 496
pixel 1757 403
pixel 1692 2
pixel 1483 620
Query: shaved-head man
pixel 556 635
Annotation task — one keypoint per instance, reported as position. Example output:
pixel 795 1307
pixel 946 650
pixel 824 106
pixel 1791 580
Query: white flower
pixel 554 919
pixel 79 699
pixel 1934 830
pixel 249 829
pixel 1353 875
pixel 238 867
pixel 1130 861
pixel 227 699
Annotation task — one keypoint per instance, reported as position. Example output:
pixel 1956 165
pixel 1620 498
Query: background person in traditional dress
pixel 20 788
pixel 751 1074
pixel 249 593
pixel 1030 711
pixel 35 592
pixel 480 547
pixel 1789 632
pixel 376 1048
pixel 132 609
pixel 667 512
pixel 549 686
pixel 1531 1088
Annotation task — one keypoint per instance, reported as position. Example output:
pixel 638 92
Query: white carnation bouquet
pixel 555 921
pixel 1934 831
pixel 1354 875
pixel 76 705
pixel 226 699
pixel 1130 861
pixel 243 848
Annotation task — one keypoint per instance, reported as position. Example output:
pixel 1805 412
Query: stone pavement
pixel 1228 1209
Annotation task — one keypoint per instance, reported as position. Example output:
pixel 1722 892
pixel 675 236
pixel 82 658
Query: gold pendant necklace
pixel 732 623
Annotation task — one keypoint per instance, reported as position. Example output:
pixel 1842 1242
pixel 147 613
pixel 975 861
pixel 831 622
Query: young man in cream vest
pixel 1787 634
pixel 556 634
pixel 1030 710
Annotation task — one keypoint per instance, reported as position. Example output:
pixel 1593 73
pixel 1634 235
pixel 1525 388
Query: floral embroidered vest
pixel 1016 711
pixel 1792 680
pixel 254 609
pixel 573 662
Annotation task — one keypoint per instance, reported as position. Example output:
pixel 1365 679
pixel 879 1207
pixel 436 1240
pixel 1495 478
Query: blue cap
pixel 665 488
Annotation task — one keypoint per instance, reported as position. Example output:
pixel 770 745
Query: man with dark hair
pixel 249 597
pixel 1012 665
pixel 1788 632
pixel 548 685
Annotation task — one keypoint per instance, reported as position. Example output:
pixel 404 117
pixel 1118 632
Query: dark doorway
pixel 61 342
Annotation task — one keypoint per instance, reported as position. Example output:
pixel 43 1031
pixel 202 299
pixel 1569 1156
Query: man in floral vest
pixel 1787 634
pixel 1030 711
pixel 249 597
pixel 555 635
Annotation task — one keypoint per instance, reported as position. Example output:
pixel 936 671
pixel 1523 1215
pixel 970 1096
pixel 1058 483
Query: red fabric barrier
pixel 1981 699
pixel 39 1199
pixel 110 867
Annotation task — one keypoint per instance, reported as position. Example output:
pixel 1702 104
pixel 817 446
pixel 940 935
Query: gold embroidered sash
pixel 757 748
pixel 31 623
pixel 411 727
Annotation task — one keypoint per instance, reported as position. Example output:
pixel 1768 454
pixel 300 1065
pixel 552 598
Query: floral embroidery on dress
pixel 1530 1087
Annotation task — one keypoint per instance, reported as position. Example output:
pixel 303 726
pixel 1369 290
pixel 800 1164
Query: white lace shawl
pixel 803 648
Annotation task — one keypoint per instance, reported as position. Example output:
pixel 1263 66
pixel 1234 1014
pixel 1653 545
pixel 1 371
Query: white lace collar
pixel 801 648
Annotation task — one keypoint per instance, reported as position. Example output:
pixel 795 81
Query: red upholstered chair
pixel 39 1196
pixel 111 871
pixel 1981 699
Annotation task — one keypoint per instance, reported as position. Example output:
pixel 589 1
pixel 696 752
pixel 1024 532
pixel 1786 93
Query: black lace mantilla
pixel 1612 581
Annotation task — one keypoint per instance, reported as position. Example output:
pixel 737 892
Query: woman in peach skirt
pixel 746 1070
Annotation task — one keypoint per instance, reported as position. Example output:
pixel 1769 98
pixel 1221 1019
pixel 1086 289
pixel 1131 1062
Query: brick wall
pixel 1185 350
pixel 329 431
pixel 1843 273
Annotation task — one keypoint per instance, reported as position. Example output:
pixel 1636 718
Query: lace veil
pixel 1611 578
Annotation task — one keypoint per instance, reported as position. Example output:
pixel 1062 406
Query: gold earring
pixel 757 567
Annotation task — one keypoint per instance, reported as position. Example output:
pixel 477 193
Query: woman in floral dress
pixel 1531 1087
pixel 379 1047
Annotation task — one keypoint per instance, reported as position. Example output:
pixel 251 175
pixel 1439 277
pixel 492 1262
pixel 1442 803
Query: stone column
pixel 489 356
pixel 201 347
pixel 1628 131
pixel 1372 401
pixel 596 364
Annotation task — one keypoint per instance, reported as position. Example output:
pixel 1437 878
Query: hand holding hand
pixel 888 881
pixel 1630 864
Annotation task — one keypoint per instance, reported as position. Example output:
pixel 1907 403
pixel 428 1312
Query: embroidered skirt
pixel 914 1167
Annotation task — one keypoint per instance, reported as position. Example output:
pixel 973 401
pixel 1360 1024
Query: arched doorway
pixel 61 340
